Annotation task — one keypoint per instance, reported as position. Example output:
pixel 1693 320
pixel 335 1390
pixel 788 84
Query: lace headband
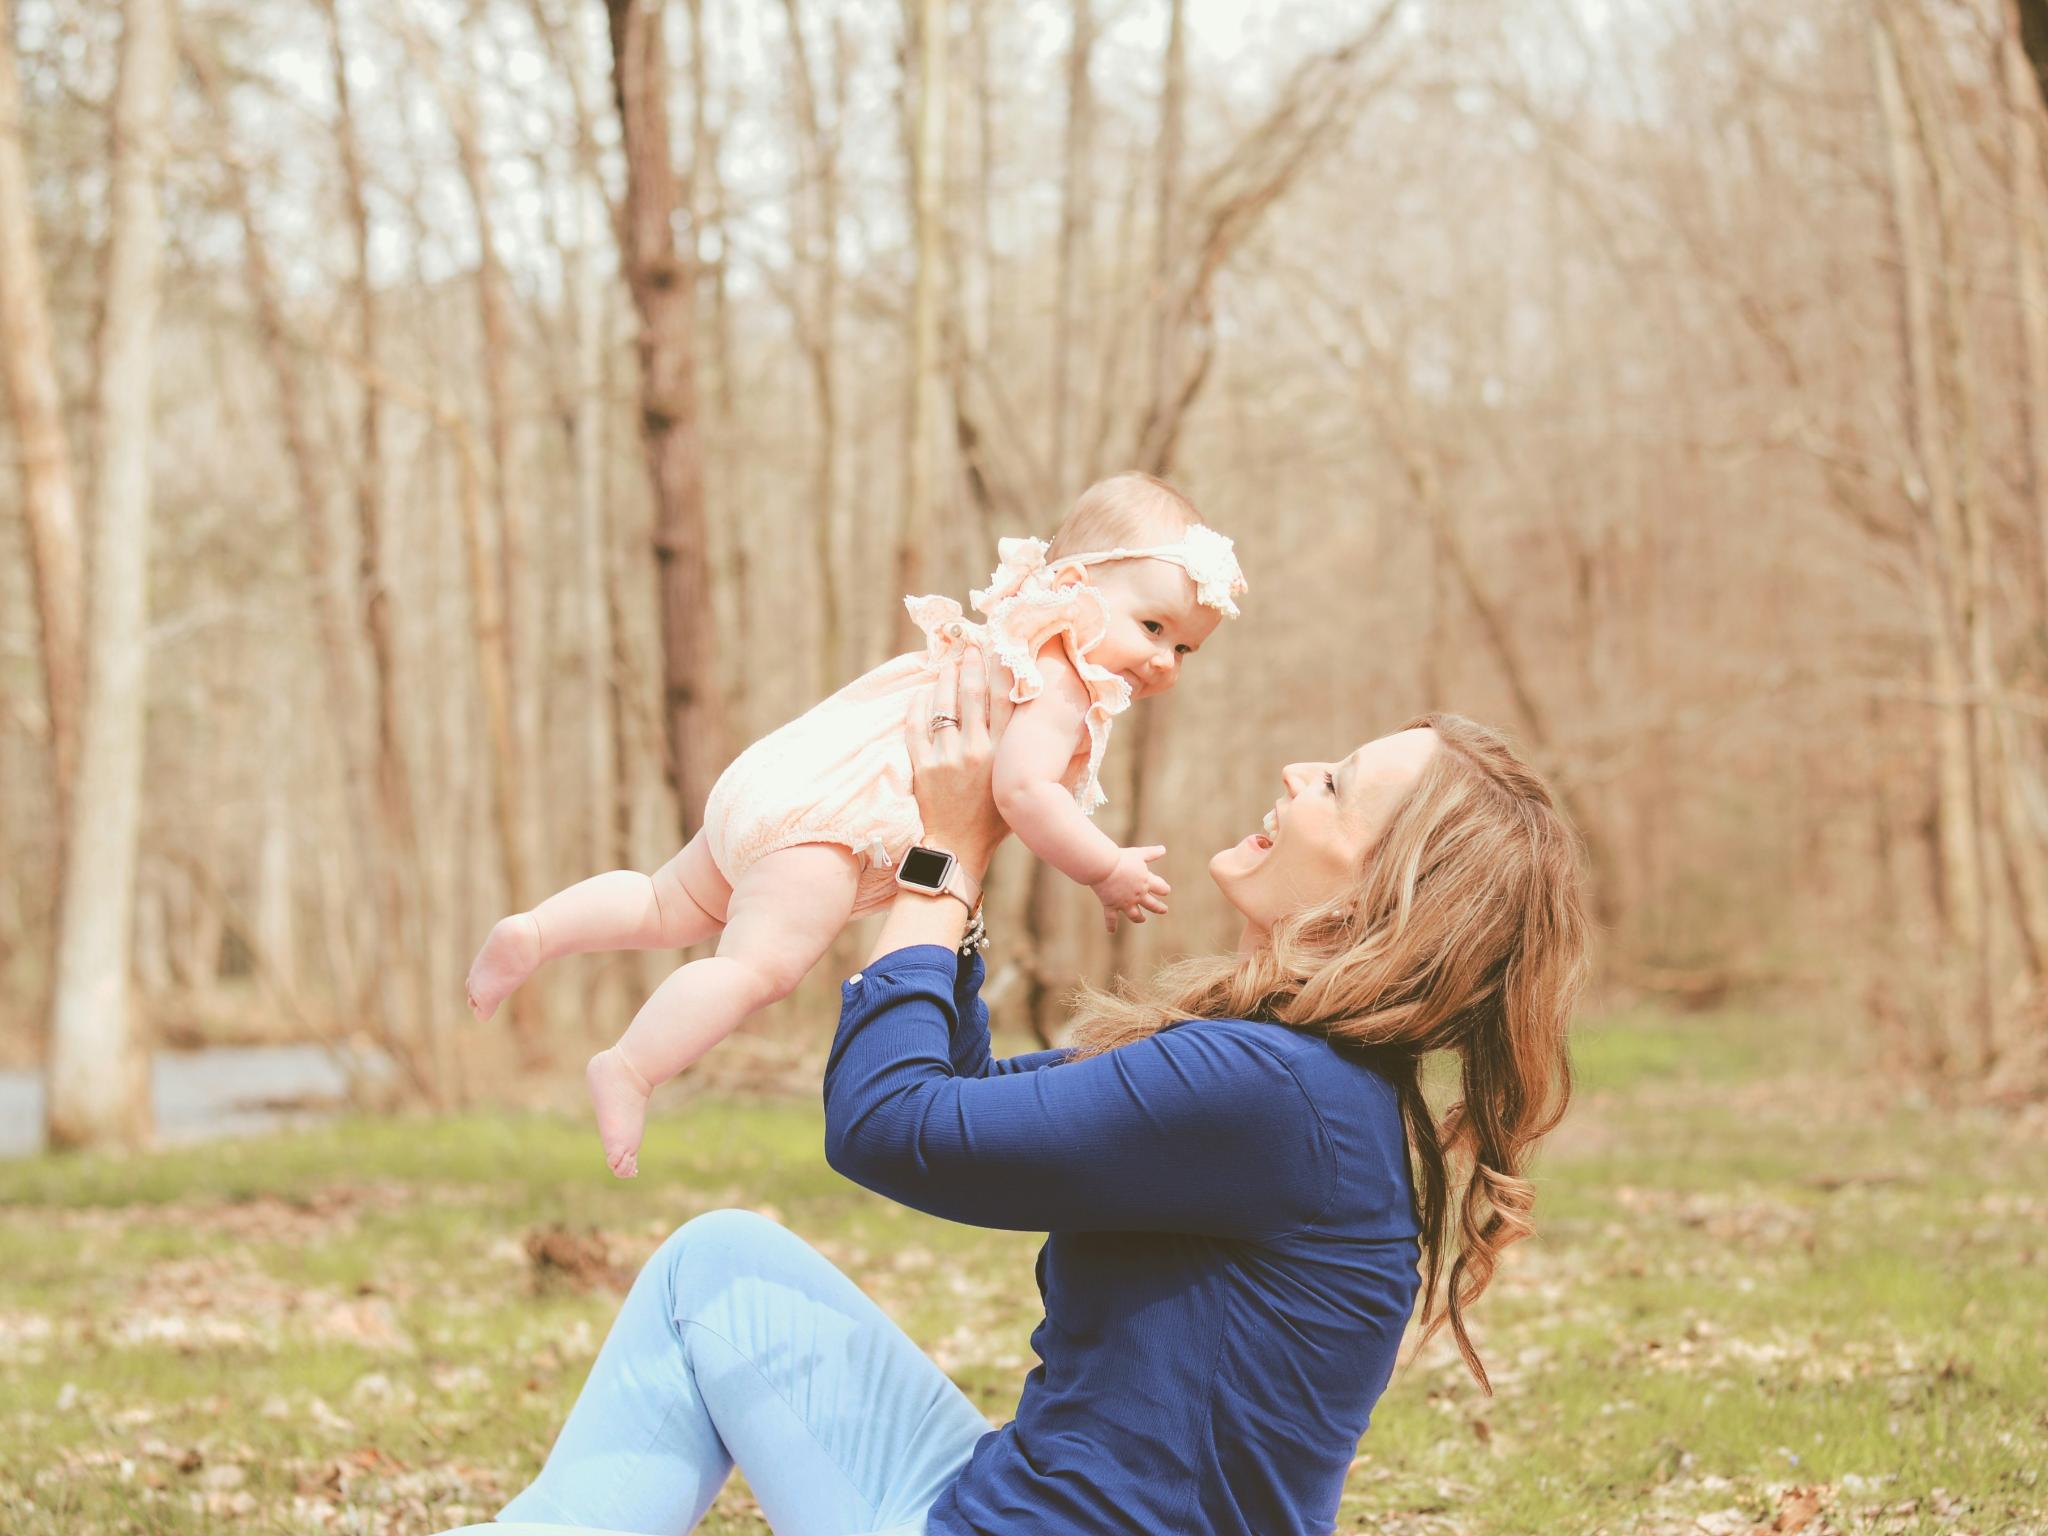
pixel 1202 552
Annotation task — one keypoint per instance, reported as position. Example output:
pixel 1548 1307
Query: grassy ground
pixel 1763 1299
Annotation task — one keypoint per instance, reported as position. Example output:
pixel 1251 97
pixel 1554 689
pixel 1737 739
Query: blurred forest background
pixel 439 433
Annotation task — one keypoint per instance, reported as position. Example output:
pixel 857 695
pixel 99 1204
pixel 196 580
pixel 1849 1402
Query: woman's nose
pixel 1292 776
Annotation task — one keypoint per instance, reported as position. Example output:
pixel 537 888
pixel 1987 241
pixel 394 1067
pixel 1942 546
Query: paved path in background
pixel 221 1091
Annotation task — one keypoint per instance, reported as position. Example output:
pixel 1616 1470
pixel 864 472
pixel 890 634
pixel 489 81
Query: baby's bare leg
pixel 785 913
pixel 620 909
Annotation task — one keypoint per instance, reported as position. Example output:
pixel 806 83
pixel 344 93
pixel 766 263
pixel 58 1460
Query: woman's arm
pixel 1196 1129
pixel 972 1055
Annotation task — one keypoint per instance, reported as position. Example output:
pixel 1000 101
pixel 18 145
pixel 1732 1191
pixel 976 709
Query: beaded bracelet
pixel 975 939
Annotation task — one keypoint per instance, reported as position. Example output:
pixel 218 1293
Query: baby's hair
pixel 1123 512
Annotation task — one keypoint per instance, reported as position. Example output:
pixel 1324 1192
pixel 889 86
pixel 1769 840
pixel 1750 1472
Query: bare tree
pixel 1943 492
pixel 663 282
pixel 927 183
pixel 2024 122
pixel 48 496
pixel 371 769
pixel 1236 196
pixel 1076 198
pixel 814 306
pixel 98 1067
pixel 401 879
pixel 2031 20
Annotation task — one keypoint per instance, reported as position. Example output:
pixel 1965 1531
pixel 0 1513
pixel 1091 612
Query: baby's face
pixel 1154 622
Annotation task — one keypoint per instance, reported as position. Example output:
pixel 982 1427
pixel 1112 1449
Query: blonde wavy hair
pixel 1465 931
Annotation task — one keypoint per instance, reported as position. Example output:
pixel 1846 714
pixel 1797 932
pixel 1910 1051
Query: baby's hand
pixel 1131 888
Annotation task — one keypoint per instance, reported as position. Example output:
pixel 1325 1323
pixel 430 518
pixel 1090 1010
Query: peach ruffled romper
pixel 840 772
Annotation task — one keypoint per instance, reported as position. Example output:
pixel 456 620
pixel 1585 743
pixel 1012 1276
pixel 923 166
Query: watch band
pixel 960 884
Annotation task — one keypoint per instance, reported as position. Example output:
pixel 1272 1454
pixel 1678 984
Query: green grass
pixel 1757 1272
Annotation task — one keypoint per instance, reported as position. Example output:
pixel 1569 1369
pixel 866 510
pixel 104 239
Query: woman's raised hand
pixel 951 767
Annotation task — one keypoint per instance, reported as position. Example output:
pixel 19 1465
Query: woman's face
pixel 1319 832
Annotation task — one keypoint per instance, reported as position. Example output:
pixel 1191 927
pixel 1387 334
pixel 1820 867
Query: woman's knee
pixel 707 1251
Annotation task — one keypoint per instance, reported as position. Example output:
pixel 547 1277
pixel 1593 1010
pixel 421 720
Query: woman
pixel 1223 1162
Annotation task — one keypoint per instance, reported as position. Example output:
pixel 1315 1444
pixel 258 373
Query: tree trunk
pixel 587 295
pixel 1958 624
pixel 725 547
pixel 339 672
pixel 98 1090
pixel 1075 197
pixel 815 226
pixel 524 680
pixel 663 283
pixel 2026 859
pixel 1041 917
pixel 1164 350
pixel 927 183
pixel 273 931
pixel 404 909
pixel 2031 17
pixel 49 497
pixel 494 682
pixel 979 284
pixel 605 662
pixel 2024 120
pixel 1153 725
pixel 508 507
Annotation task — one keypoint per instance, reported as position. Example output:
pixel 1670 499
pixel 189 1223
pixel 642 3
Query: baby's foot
pixel 509 956
pixel 619 1095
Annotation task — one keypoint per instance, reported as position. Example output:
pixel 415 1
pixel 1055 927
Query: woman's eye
pixel 1330 782
pixel 1151 626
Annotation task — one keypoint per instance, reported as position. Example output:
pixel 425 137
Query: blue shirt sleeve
pixel 1196 1129
pixel 970 1044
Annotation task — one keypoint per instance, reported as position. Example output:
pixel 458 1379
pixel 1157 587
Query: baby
pixel 804 829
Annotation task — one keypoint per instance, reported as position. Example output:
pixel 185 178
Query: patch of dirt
pixel 574 1259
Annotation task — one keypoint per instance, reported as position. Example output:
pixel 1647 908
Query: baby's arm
pixel 1037 745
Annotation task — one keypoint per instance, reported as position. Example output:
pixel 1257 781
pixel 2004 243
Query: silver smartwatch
pixel 936 872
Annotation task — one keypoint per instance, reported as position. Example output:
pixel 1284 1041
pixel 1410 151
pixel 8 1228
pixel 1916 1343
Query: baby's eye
pixel 1183 650
pixel 1152 626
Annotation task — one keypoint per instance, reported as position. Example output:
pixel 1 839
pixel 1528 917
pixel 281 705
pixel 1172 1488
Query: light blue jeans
pixel 740 1343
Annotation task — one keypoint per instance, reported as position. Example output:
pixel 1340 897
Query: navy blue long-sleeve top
pixel 1231 1258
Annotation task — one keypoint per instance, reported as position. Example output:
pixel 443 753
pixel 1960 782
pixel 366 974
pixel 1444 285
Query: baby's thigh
pixel 788 908
pixel 698 875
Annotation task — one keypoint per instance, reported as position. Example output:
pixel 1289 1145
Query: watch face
pixel 923 867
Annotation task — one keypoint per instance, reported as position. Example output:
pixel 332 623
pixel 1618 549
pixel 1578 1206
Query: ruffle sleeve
pixel 1023 624
pixel 945 624
pixel 1026 613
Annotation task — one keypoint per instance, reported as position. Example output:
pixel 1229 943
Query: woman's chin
pixel 1238 860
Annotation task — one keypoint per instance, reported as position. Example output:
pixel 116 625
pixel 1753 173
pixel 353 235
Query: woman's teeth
pixel 1271 824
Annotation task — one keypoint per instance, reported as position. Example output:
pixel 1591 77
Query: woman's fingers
pixel 916 721
pixel 946 689
pixel 973 696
